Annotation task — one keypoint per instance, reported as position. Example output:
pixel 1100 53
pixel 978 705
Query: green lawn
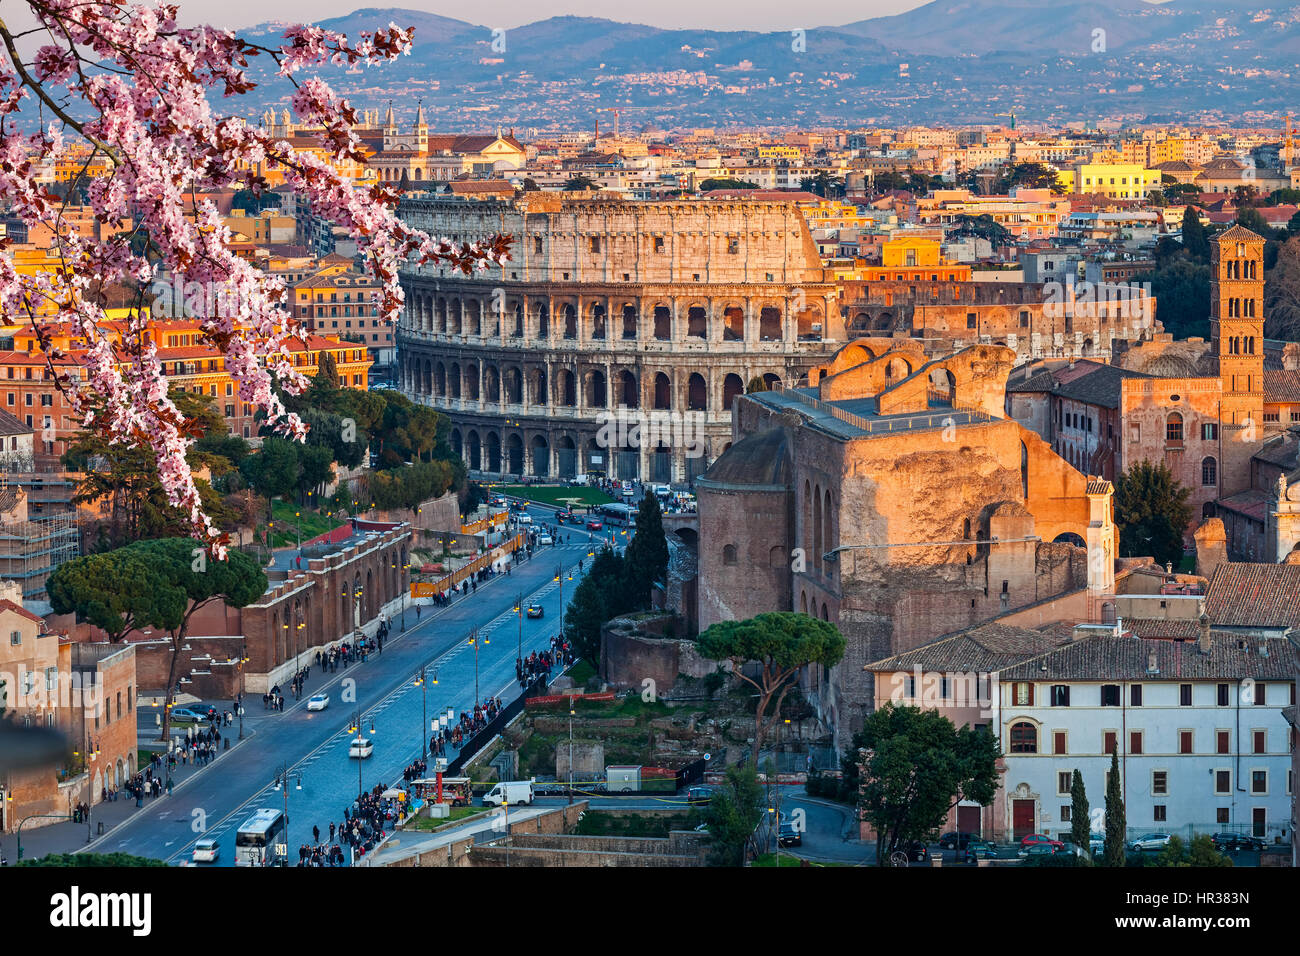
pixel 557 495
pixel 582 672
pixel 313 523
pixel 770 859
pixel 458 814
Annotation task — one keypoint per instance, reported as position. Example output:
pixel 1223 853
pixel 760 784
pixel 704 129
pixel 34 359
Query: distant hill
pixel 965 61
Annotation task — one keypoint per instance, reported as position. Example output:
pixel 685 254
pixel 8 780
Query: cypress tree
pixel 1079 821
pixel 1116 821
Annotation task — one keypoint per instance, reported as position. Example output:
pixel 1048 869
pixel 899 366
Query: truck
pixel 509 792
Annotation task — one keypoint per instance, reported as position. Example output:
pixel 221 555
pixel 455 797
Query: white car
pixel 524 518
pixel 1152 841
pixel 545 539
pixel 205 851
pixel 361 747
pixel 318 701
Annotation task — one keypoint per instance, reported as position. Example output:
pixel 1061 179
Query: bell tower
pixel 1237 325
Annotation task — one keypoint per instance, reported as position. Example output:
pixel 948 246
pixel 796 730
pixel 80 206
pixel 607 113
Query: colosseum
pixel 618 336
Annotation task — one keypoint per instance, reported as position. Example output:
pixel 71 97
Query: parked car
pixel 361 747
pixel 1040 849
pixel 1151 841
pixel 977 849
pixel 1035 839
pixel 917 852
pixel 1236 841
pixel 699 796
pixel 206 850
pixel 1096 843
pixel 955 841
pixel 788 834
pixel 535 610
pixel 594 525
pixel 318 701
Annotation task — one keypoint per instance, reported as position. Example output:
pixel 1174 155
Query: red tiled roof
pixel 1281 385
pixel 7 605
pixel 1254 595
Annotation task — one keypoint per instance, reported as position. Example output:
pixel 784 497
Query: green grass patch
pixel 556 495
pixel 458 815
pixel 312 523
pixel 581 672
pixel 785 859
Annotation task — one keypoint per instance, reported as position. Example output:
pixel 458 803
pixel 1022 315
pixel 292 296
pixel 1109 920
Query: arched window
pixel 1024 738
pixel 1174 427
pixel 729 554
pixel 1209 472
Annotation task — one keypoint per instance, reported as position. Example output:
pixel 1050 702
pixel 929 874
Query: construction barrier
pixel 485 524
pixel 421 589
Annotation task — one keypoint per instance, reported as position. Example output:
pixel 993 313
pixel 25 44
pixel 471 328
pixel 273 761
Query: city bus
pixel 257 838
pixel 620 514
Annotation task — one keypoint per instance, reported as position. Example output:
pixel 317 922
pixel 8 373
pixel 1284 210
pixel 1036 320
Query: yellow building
pixel 1115 180
pixel 780 152
pixel 913 259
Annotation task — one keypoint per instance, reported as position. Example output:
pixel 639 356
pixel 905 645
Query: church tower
pixel 1237 324
pixel 421 131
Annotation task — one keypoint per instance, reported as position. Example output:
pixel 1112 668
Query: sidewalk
pixel 70 837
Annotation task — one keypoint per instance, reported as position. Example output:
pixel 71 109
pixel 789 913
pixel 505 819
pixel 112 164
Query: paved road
pixel 314 745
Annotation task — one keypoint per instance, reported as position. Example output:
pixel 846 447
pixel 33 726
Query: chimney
pixel 1203 643
pixel 1152 666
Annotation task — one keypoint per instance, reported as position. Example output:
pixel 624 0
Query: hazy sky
pixel 720 14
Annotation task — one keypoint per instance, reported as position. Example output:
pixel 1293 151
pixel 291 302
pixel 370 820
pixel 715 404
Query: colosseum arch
pixel 860 323
pixel 440 315
pixel 809 324
pixel 566 388
pixel 598 321
pixel 491 384
pixel 474 450
pixel 630 321
pixel 512 381
pixel 457 445
pixel 897 368
pixel 473 317
pixel 454 380
pixel 439 379
pixel 515 454
pixel 454 316
pixel 769 324
pixel 629 393
pixel 733 322
pixel 772 381
pixel 731 387
pixel 518 330
pixel 538 395
pixel 697 393
pixel 569 318
pixel 471 381
pixel 593 389
pixel 493 448
pixel 884 322
pixel 566 457
pixel 944 384
pixel 663 323
pixel 697 321
pixel 540 453
pixel 663 398
pixel 543 320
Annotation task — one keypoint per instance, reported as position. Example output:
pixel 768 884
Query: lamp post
pixel 356 729
pixel 37 816
pixel 282 784
pixel 422 682
pixel 474 643
pixel 243 686
pixel 297 644
pixel 519 609
pixel 405 587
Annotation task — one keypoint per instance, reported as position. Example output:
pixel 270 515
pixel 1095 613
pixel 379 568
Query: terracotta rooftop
pixel 1113 659
pixel 1254 595
pixel 983 648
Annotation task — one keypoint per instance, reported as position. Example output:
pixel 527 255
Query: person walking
pixel 315 834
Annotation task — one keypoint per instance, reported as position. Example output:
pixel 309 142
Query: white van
pixel 663 491
pixel 524 518
pixel 509 792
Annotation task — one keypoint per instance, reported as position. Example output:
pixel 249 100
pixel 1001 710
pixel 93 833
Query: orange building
pixel 29 391
pixel 913 259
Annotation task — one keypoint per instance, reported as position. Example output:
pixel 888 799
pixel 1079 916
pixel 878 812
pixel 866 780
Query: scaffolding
pixel 31 550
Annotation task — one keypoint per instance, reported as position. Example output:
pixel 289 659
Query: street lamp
pixel 356 729
pixel 519 609
pixel 474 643
pixel 243 660
pixel 282 784
pixel 423 683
